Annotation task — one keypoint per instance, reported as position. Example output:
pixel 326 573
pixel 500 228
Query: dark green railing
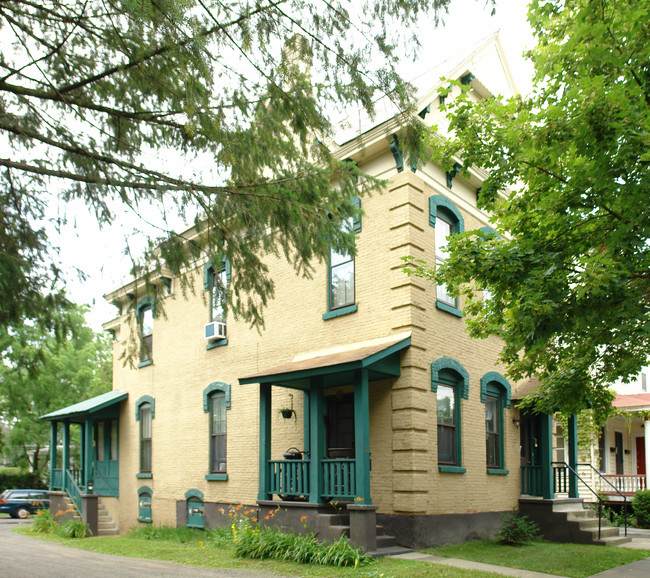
pixel 70 485
pixel 531 480
pixel 289 478
pixel 339 479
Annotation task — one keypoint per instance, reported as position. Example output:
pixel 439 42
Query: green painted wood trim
pixel 66 446
pixel 145 363
pixel 438 202
pixel 489 232
pixel 53 444
pixel 145 520
pixel 210 389
pixel 87 450
pixel 362 435
pixel 143 304
pixel 426 110
pixel 397 153
pixel 208 268
pixel 145 476
pixel 306 422
pixel 217 478
pixel 452 174
pixel 264 442
pixel 317 437
pixel 448 308
pixel 451 470
pixel 497 472
pixel 217 343
pixel 145 490
pixel 572 441
pixel 467 78
pixel 141 401
pixel 546 455
pixel 451 364
pixel 339 312
pixel 194 494
pixel 494 377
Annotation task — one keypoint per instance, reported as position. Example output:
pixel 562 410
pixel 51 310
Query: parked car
pixel 22 503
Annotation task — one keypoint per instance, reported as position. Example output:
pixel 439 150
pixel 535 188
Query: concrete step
pixel 343 530
pixel 385 541
pixel 612 540
pixel 390 551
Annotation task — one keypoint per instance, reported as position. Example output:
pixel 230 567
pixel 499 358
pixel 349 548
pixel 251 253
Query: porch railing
pixel 339 478
pixel 70 485
pixel 289 478
pixel 623 483
pixel 531 480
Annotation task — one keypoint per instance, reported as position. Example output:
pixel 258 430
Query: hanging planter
pixel 288 412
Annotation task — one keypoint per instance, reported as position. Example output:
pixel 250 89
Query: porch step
pixel 390 551
pixel 71 508
pixel 106 526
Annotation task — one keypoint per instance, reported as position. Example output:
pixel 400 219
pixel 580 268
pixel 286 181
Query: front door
pixel 618 442
pixel 340 426
pixel 640 456
pixel 531 463
pixel 106 472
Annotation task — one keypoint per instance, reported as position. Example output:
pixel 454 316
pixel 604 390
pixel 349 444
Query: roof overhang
pixel 93 407
pixel 380 358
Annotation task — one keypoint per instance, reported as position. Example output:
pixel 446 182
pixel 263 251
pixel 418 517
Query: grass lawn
pixel 575 560
pixel 210 556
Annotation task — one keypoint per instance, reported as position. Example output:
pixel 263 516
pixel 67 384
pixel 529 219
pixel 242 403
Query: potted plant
pixel 288 412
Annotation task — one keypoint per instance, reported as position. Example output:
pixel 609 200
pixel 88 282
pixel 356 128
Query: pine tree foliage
pixel 568 188
pixel 219 108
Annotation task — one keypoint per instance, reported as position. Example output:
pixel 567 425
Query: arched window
pixel 144 504
pixel 446 220
pixel 450 382
pixel 144 312
pixel 495 394
pixel 216 281
pixel 216 400
pixel 195 509
pixel 144 413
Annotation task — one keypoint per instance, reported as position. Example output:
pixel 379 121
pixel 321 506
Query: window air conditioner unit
pixel 215 330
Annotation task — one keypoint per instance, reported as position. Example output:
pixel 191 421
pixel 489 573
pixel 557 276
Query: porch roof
pixel 90 406
pixel 634 401
pixel 379 357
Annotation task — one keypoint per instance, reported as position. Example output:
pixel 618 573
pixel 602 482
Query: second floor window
pixel 218 287
pixel 146 333
pixel 341 277
pixel 443 230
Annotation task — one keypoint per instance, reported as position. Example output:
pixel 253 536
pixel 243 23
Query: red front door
pixel 640 456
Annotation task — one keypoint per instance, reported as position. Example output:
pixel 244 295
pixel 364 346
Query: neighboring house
pixel 403 419
pixel 623 452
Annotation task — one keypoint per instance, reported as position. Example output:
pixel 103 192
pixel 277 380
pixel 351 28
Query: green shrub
pixel 73 529
pixel 641 508
pixel 516 530
pixel 44 522
pixel 617 517
pixel 265 543
pixel 10 479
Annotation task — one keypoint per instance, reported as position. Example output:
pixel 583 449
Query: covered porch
pixel 334 463
pixel 96 470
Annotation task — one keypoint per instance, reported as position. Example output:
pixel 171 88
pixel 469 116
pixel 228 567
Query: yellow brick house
pixel 391 412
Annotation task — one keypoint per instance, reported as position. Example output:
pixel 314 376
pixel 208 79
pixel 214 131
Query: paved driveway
pixel 22 556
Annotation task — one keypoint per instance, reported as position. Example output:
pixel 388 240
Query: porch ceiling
pixel 381 359
pixel 82 410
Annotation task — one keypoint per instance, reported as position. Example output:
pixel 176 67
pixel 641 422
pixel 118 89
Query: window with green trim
pixel 443 231
pixel 218 287
pixel 448 425
pixel 145 318
pixel 144 414
pixel 218 432
pixel 144 504
pixel 495 394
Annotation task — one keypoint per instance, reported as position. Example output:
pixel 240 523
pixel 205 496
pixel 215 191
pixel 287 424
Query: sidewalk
pixel 640 569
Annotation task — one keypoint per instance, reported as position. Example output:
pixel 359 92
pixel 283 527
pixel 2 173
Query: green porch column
pixel 572 436
pixel 65 466
pixel 362 435
pixel 87 451
pixel 265 442
pixel 546 455
pixel 53 427
pixel 306 425
pixel 316 437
